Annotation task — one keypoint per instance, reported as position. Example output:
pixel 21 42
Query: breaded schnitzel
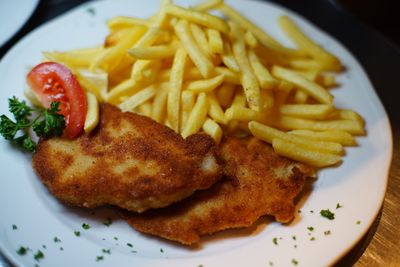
pixel 129 161
pixel 258 182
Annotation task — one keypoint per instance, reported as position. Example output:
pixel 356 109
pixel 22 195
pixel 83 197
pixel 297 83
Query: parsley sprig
pixel 47 123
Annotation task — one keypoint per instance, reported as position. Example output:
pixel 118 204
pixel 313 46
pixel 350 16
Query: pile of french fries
pixel 194 71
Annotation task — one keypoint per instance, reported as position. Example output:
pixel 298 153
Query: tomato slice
pixel 53 82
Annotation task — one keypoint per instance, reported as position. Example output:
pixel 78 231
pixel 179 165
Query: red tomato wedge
pixel 53 82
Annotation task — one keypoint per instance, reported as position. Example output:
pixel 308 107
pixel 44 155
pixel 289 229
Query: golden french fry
pixel 92 114
pixel 306 111
pixel 121 22
pixel 283 90
pixel 305 64
pixel 137 99
pixel 197 116
pixel 248 79
pixel 187 102
pixel 110 57
pixel 326 59
pixel 205 85
pixel 311 157
pixel 158 110
pixel 228 58
pixel 152 52
pixel 207 5
pixel 225 94
pixel 248 25
pixel 263 76
pixel 215 41
pixel 250 39
pixel 212 128
pixel 291 123
pixel 267 134
pixel 239 113
pixel 347 114
pixel 204 65
pixel 326 80
pixel 309 87
pixel 214 110
pixel 201 39
pixel 174 95
pixel 341 137
pixel 300 97
pixel 197 17
pixel 144 109
pixel 229 76
pixel 125 88
pixel 80 58
pixel 267 100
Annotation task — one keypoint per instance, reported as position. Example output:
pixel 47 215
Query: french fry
pixel 350 126
pixel 238 113
pixel 204 65
pixel 92 114
pixel 248 79
pixel 306 111
pixel 248 25
pixel 267 100
pixel 121 22
pixel 341 137
pixel 212 128
pixel 229 76
pixel 187 103
pixel 174 95
pixel 264 78
pixel 214 110
pixel 153 52
pixel 197 17
pixel 197 116
pixel 228 58
pixel 326 80
pixel 267 134
pixel 250 39
pixel 215 41
pixel 201 39
pixel 137 99
pixel 311 157
pixel 327 60
pixel 80 58
pixel 127 87
pixel 207 5
pixel 207 85
pixel 309 87
pixel 109 59
pixel 225 94
pixel 159 105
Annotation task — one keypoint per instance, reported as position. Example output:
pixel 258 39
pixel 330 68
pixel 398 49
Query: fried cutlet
pixel 257 182
pixel 129 161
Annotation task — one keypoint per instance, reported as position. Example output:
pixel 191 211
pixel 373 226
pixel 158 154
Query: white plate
pixel 358 184
pixel 13 15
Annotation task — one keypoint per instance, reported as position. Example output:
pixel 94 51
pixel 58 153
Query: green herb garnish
pixel 328 232
pixel 38 256
pixel 107 222
pixel 295 262
pixel 275 241
pixel 106 251
pixel 161 250
pixel 85 226
pixel 22 251
pixel 338 206
pixel 56 240
pixel 77 233
pixel 129 245
pixel 327 214
pixel 310 228
pixel 14 227
pixel 99 258
pixel 358 222
pixel 47 123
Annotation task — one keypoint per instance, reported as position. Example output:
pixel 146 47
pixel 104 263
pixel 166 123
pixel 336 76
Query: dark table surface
pixel 366 28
